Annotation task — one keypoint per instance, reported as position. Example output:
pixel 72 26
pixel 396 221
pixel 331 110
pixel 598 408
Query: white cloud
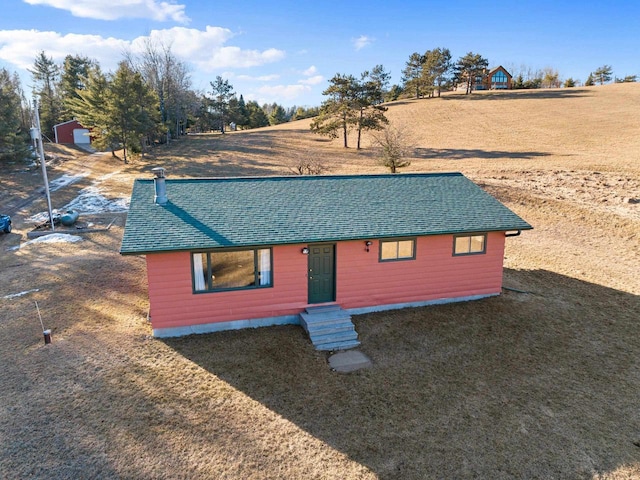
pixel 315 80
pixel 205 49
pixel 261 78
pixel 310 71
pixel 115 9
pixel 288 92
pixel 362 41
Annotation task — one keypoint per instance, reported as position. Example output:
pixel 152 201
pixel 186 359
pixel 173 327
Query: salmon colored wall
pixel 361 281
pixel 174 305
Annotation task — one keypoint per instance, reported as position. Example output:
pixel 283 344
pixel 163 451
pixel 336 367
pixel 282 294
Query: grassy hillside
pixel 540 382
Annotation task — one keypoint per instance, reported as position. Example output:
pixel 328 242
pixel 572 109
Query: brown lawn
pixel 540 384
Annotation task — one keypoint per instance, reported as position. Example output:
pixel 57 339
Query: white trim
pixel 397 306
pixel 222 326
pixel 64 123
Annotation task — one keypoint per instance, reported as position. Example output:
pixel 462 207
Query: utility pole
pixel 36 136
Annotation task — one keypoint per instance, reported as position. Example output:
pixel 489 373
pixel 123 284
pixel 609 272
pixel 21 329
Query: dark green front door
pixel 322 279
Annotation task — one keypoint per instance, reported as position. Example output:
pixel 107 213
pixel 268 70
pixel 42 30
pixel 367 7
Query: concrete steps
pixel 329 327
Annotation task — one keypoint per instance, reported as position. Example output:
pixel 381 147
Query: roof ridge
pixel 311 177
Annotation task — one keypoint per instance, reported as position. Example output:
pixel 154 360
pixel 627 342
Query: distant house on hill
pixel 495 79
pixel 228 253
pixel 71 132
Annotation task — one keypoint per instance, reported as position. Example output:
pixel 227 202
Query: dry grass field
pixel 540 382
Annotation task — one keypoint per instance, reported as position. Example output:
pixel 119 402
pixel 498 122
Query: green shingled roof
pixel 238 212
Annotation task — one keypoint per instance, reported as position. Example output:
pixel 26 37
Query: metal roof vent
pixel 160 186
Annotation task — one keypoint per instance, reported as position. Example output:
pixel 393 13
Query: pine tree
pixel 412 74
pixel 437 65
pixel 370 96
pixel 13 134
pixel 75 70
pixel 589 82
pixel 338 112
pixel 603 74
pixel 469 68
pixel 278 115
pixel 45 74
pixel 90 109
pixel 132 109
pixel 221 92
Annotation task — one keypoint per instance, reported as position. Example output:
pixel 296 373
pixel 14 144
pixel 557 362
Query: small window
pixel 469 244
pixel 231 270
pixel 397 250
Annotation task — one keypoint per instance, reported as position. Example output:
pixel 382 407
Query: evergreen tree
pixel 75 70
pixel 256 115
pixel 338 112
pixel 469 69
pixel 412 76
pixel 132 109
pixel 603 74
pixel 278 115
pixel 589 82
pixel 393 94
pixel 45 74
pixel 437 64
pixel 569 83
pixel 89 108
pixel 221 92
pixel 369 97
pixel 13 133
pixel 241 113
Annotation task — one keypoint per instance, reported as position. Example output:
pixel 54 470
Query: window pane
pixel 405 249
pixel 461 245
pixel 264 266
pixel 388 250
pixel 199 272
pixel 477 244
pixel 233 269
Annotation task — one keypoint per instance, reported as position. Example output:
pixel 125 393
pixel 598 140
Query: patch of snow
pixel 91 200
pixel 42 216
pixel 65 180
pixel 51 238
pixel 14 295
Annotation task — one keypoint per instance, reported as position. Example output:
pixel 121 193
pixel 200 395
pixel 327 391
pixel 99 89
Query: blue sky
pixel 286 51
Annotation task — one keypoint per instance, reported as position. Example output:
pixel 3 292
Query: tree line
pixel 148 100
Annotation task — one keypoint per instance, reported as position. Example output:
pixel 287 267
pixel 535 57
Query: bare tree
pixel 394 146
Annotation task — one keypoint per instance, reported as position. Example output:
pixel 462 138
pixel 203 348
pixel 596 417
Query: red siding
pixel 64 131
pixel 361 281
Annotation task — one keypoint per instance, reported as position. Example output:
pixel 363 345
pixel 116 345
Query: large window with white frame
pixel 470 244
pixel 222 270
pixel 403 249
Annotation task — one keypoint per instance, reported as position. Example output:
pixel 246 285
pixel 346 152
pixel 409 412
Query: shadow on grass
pixel 462 154
pixel 531 94
pixel 525 385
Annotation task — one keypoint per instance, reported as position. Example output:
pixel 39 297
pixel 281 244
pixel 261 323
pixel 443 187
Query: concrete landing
pixel 350 361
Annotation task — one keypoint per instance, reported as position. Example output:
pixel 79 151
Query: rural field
pixel 541 382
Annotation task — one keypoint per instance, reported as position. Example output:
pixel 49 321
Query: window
pixel 231 270
pixel 397 250
pixel 469 244
pixel 499 80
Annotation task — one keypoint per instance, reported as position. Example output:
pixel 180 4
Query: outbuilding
pixel 227 253
pixel 71 132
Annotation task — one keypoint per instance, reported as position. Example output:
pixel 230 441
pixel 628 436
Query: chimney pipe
pixel 160 186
